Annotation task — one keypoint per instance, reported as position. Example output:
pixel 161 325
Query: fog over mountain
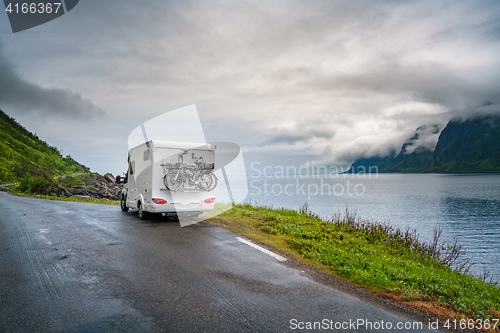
pixel 470 145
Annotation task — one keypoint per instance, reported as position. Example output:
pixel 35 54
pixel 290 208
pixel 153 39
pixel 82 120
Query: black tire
pixel 173 180
pixel 123 204
pixel 142 214
pixel 208 181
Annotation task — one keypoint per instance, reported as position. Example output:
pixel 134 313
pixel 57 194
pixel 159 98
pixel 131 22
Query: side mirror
pixel 120 180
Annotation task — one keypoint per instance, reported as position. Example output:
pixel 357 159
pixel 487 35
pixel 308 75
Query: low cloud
pixel 303 131
pixel 425 137
pixel 23 97
pixel 338 80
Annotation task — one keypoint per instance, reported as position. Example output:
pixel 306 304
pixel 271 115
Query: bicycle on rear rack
pixel 179 174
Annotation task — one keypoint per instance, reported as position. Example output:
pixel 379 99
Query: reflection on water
pixel 466 206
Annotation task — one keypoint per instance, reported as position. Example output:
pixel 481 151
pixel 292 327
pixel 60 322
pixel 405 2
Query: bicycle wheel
pixel 207 181
pixel 173 180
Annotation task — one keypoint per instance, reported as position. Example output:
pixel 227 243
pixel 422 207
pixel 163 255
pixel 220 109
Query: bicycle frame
pixel 193 179
pixel 190 173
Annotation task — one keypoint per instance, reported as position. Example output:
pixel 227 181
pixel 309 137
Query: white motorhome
pixel 170 177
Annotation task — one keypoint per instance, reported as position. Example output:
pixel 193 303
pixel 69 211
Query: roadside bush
pixel 35 185
pixel 39 184
pixel 25 184
pixel 76 182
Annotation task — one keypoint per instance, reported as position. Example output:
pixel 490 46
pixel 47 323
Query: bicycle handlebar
pixel 180 159
pixel 197 160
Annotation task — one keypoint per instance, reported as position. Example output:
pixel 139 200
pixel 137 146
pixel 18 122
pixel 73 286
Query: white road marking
pixel 272 254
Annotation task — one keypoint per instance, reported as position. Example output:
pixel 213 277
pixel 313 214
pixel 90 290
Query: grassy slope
pixel 73 198
pixel 23 153
pixel 368 258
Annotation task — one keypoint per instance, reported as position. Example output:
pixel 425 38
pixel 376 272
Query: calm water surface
pixel 466 206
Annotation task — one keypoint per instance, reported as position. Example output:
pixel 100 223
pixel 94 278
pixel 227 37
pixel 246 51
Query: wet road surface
pixel 77 267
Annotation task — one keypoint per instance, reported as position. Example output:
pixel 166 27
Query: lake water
pixel 466 206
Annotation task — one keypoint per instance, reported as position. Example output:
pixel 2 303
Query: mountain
pixel 23 154
pixel 381 163
pixel 472 145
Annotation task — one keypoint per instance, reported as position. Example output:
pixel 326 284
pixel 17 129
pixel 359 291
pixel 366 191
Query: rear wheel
pixel 123 204
pixel 207 181
pixel 142 213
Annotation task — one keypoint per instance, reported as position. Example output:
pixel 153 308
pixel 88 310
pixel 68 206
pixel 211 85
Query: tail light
pixel 159 201
pixel 209 200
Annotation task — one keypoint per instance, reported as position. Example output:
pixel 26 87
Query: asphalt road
pixel 77 267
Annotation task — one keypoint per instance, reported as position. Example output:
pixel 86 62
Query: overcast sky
pixel 288 81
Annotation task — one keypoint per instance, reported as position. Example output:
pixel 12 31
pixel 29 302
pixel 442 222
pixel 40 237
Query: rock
pixel 110 178
pixel 61 191
pixel 102 188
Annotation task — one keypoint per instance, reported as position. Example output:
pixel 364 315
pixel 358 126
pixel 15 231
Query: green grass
pixel 376 257
pixel 69 181
pixel 73 198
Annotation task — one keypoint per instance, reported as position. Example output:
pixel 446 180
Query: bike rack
pixel 197 168
pixel 207 166
pixel 171 165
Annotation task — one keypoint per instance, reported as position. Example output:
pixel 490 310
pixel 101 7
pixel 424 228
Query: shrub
pixel 25 184
pixel 34 185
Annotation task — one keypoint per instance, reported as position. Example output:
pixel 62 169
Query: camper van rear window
pixel 146 155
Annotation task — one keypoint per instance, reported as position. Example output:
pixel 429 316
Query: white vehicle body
pixel 145 189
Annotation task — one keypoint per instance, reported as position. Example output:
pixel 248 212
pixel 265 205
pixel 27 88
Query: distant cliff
pixel 472 145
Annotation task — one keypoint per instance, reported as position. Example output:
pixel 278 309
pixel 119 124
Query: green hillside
pixel 470 145
pixel 23 154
